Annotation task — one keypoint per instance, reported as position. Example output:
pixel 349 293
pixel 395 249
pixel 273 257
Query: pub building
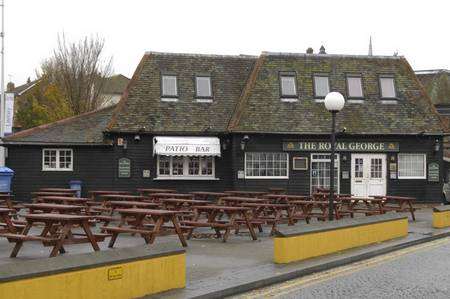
pixel 213 122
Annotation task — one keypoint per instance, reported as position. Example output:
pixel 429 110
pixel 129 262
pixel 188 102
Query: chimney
pixel 322 50
pixel 309 51
pixel 10 87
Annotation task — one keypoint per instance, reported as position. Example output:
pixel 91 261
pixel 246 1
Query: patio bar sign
pixel 342 146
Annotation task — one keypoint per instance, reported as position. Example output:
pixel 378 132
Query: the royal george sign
pixel 341 146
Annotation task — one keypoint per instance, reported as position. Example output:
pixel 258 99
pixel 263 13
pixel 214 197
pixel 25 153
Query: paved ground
pixel 213 265
pixel 420 271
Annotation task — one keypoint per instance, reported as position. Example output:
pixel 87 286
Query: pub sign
pixel 342 146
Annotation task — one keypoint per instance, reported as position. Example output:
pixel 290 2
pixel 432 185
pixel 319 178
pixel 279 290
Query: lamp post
pixel 334 102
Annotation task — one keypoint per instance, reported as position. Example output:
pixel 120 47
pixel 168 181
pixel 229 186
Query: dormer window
pixel 288 86
pixel 387 88
pixel 203 87
pixel 354 86
pixel 321 86
pixel 169 88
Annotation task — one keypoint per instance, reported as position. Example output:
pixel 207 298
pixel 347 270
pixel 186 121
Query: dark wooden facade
pixel 97 166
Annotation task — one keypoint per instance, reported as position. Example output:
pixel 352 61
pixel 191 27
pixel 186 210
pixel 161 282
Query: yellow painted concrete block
pixel 126 280
pixel 301 247
pixel 441 219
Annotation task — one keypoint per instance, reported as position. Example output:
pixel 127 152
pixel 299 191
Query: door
pixel 368 174
pixel 320 172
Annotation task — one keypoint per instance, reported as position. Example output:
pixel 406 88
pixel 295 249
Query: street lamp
pixel 334 102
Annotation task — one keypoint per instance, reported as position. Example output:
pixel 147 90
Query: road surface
pixel 421 271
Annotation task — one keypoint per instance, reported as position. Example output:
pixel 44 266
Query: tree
pixel 45 103
pixel 78 70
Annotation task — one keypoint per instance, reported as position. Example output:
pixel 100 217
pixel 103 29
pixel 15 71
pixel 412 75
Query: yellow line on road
pixel 288 286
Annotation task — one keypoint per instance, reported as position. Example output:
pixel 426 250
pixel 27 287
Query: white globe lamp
pixel 334 101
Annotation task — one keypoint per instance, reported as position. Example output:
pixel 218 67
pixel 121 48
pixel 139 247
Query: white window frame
pixel 360 87
pixel 393 87
pixel 337 164
pixel 316 77
pixel 57 168
pixel 169 96
pixel 266 177
pixel 202 97
pixel 186 175
pixel 412 177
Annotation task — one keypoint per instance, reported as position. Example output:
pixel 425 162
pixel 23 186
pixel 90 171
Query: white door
pixel 368 174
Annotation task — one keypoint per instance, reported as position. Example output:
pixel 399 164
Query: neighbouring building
pixel 114 87
pixel 437 85
pixel 213 122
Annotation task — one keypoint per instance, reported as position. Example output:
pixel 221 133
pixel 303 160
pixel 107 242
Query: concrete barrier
pixel 121 273
pixel 441 216
pixel 293 244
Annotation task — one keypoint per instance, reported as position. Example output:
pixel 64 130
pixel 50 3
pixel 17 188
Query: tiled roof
pixel 142 109
pixel 261 110
pixel 82 129
pixel 436 84
pixel 115 84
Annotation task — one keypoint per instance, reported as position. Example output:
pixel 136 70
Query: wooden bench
pixel 116 230
pixel 25 238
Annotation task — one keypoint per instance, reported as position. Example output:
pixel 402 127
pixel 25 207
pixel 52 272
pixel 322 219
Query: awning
pixel 186 146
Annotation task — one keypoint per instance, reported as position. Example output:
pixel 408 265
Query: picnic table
pixel 146 191
pixel 48 193
pixel 138 225
pixel 51 207
pixel 57 232
pixel 269 213
pixel 246 193
pixel 96 193
pixel 66 200
pixel 276 190
pixel 365 205
pixel 204 195
pixel 7 198
pixel 214 221
pixel 398 204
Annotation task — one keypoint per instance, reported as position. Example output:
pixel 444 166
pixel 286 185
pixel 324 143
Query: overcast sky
pixel 417 31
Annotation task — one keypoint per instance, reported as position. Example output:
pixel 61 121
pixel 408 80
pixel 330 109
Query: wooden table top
pixel 122 196
pixel 64 190
pixel 47 193
pixel 221 208
pixel 137 211
pixel 209 193
pixel 99 192
pixel 132 203
pixel 181 200
pixel 64 198
pixel 57 217
pixel 5 211
pixel 244 199
pixel 171 195
pixel 268 205
pixel 52 206
pixel 246 192
pixel 4 195
pixel 156 190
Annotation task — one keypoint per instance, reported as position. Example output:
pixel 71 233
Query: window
pixel 288 86
pixel 321 86
pixel 169 86
pixel 185 167
pixel 354 85
pixel 57 159
pixel 387 87
pixel 411 166
pixel 203 87
pixel 266 165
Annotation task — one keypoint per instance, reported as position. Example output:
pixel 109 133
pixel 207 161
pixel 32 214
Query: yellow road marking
pixel 288 286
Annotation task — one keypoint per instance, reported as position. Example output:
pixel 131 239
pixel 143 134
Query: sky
pixel 417 30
